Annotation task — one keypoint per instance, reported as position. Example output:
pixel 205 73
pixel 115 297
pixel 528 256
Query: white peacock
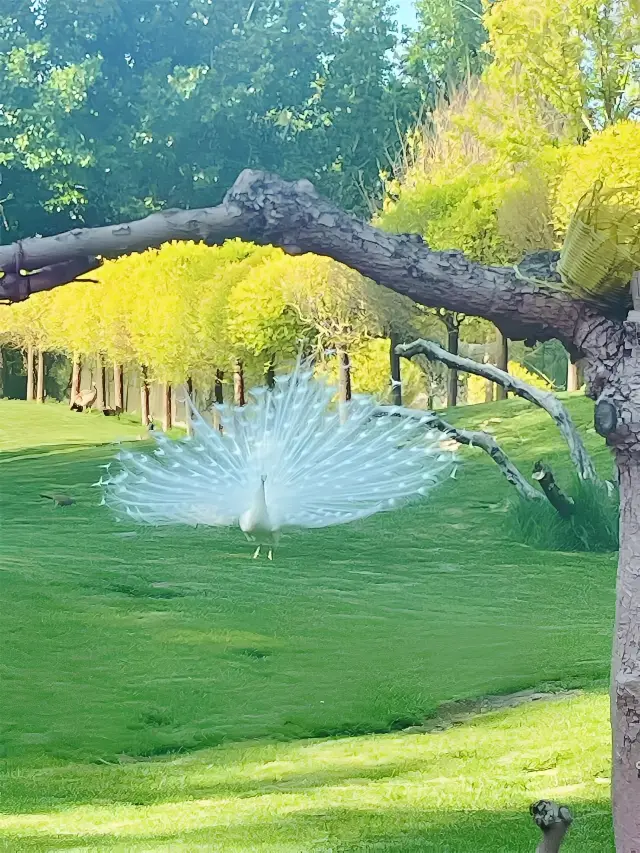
pixel 289 459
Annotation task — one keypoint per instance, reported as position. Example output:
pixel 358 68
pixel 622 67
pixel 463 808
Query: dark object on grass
pixel 553 820
pixel 563 505
pixel 110 413
pixel 60 500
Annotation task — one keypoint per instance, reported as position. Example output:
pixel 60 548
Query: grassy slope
pixel 175 639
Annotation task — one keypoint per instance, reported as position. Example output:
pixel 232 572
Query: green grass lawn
pixel 120 641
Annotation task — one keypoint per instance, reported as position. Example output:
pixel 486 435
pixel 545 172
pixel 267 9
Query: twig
pixel 563 505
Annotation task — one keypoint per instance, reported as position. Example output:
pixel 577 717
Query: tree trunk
pixel 238 384
pixel 118 386
pixel 625 683
pixel 396 381
pixel 502 361
pixel 574 375
pixel 40 380
pixel 187 408
pixel 344 381
pixel 30 372
pixel 453 346
pixel 166 407
pixel 1 372
pixel 218 396
pixel 101 401
pixel 144 396
pixel 76 379
pixel 270 375
pixel 218 389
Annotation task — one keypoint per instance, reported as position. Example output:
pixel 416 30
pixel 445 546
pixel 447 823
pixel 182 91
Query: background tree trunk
pixel 270 374
pixel 453 346
pixel 1 372
pixel 238 384
pixel 118 386
pixel 76 378
pixel 31 354
pixel 144 396
pixel 101 382
pixel 344 381
pixel 396 373
pixel 40 377
pixel 502 361
pixel 166 407
pixel 187 410
pixel 218 388
pixel 625 682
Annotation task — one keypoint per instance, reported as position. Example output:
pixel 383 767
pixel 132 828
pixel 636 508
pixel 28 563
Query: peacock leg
pixel 270 554
pixel 256 553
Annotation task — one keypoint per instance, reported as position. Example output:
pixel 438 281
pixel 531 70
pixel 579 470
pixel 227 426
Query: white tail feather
pixel 319 469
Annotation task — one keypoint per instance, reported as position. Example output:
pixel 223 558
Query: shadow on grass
pixel 396 828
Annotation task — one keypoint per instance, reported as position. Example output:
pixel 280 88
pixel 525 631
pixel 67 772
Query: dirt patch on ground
pixel 451 714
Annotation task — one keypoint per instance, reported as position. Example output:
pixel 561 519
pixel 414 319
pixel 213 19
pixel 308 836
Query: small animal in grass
pixel 60 500
pixel 110 413
pixel 289 459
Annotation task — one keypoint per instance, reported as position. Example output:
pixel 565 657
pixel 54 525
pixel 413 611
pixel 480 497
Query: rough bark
pixel 118 387
pixel 238 384
pixel 625 684
pixel 144 396
pixel 167 407
pixel 76 379
pixel 545 399
pixel 472 438
pixel 502 361
pixel 40 377
pixel 554 821
pixel 31 354
pixel 396 377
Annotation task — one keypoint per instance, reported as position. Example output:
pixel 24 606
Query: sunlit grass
pixel 142 643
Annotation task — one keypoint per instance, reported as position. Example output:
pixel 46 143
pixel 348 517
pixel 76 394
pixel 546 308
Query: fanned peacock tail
pixel 321 466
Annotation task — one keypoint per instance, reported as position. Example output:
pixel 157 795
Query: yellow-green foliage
pixel 370 372
pixel 480 178
pixel 476 385
pixel 611 156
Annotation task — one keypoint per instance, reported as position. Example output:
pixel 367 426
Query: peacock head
pixel 263 478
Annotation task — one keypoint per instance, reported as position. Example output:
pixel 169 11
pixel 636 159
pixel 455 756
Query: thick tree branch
pixel 265 209
pixel 16 286
pixel 473 438
pixel 545 399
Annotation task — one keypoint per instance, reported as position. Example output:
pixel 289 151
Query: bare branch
pixel 545 399
pixel 472 438
pixel 265 209
pixel 562 504
pixel 16 286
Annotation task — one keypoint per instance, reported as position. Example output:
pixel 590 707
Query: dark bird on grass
pixel 60 500
pixel 288 459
